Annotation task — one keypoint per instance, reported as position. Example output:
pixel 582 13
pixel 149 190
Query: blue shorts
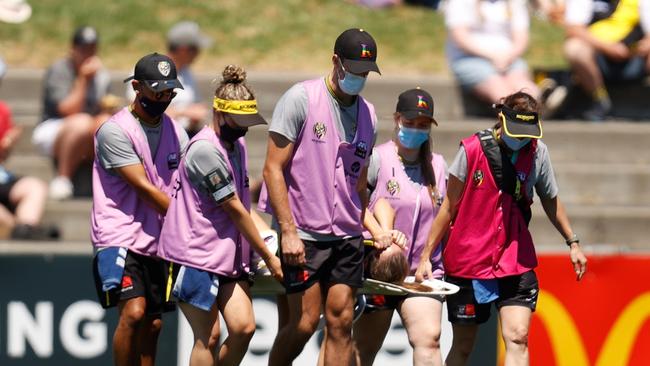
pixel 200 288
pixel 473 70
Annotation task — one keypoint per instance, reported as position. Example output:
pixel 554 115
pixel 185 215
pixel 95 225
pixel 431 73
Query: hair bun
pixel 233 74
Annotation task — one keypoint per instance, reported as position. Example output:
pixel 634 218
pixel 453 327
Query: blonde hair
pixel 233 84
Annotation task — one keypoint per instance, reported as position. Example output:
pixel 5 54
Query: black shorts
pixel 327 262
pixel 5 190
pixel 143 276
pixel 388 302
pixel 520 290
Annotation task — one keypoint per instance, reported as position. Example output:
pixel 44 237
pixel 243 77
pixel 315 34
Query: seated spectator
pixel 607 41
pixel 184 43
pixel 73 90
pixel 22 199
pixel 485 44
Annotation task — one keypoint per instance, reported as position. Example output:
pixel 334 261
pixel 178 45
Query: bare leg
pixel 29 195
pixel 421 318
pixel 148 339
pixel 369 334
pixel 125 339
pixel 462 344
pixel 205 327
pixel 236 306
pixel 304 311
pixel 515 322
pixel 493 89
pixel 339 311
pixel 74 143
pixel 582 58
pixel 519 80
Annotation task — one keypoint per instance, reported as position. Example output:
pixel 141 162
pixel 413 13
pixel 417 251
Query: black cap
pixel 357 50
pixel 157 71
pixel 85 35
pixel 519 124
pixel 414 103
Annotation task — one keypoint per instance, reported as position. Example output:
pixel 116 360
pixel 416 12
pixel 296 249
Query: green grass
pixel 280 35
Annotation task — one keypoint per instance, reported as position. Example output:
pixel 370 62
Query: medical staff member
pixel 208 230
pixel 413 180
pixel 137 152
pixel 489 253
pixel 321 137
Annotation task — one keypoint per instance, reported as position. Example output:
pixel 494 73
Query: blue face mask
pixel 513 143
pixel 351 84
pixel 412 138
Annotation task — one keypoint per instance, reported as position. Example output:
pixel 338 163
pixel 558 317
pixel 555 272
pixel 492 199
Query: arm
pixel 617 51
pixel 557 215
pixel 74 101
pixel 244 223
pixel 385 216
pixel 136 177
pixel 440 226
pixel 8 141
pixel 278 155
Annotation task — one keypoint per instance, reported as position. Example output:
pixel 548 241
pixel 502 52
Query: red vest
pixel 489 236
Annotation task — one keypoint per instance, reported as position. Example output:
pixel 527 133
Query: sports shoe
pixel 61 188
pixel 598 111
pixel 554 101
pixel 39 233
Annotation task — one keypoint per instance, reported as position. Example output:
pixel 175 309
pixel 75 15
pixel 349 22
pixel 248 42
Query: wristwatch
pixel 573 239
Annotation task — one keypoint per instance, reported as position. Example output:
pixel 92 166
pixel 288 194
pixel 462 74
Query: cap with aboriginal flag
pixel 243 112
pixel 519 124
pixel 357 50
pixel 414 103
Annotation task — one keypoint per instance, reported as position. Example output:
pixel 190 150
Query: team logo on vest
pixel 172 161
pixel 392 186
pixel 164 68
pixel 355 167
pixel 361 150
pixel 477 177
pixel 320 130
pixel 365 52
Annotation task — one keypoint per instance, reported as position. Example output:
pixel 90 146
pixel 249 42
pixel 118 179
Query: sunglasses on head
pixel 158 95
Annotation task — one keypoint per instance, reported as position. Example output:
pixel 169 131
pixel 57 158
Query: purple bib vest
pixel 322 175
pixel 119 218
pixel 414 210
pixel 489 237
pixel 197 232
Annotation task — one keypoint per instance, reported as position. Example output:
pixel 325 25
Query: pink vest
pixel 119 217
pixel 322 175
pixel 200 234
pixel 489 237
pixel 414 211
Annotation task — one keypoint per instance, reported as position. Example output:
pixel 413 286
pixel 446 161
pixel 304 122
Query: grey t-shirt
pixel 541 175
pixel 114 149
pixel 289 117
pixel 58 83
pixel 208 170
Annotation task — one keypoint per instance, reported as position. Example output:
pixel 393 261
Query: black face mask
pixel 232 134
pixel 152 107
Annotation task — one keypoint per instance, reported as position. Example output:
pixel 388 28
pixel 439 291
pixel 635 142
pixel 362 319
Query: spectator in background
pixel 606 41
pixel 184 43
pixel 73 90
pixel 14 11
pixel 22 199
pixel 485 44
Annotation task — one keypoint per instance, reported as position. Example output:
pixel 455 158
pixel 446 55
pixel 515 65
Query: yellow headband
pixel 235 106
